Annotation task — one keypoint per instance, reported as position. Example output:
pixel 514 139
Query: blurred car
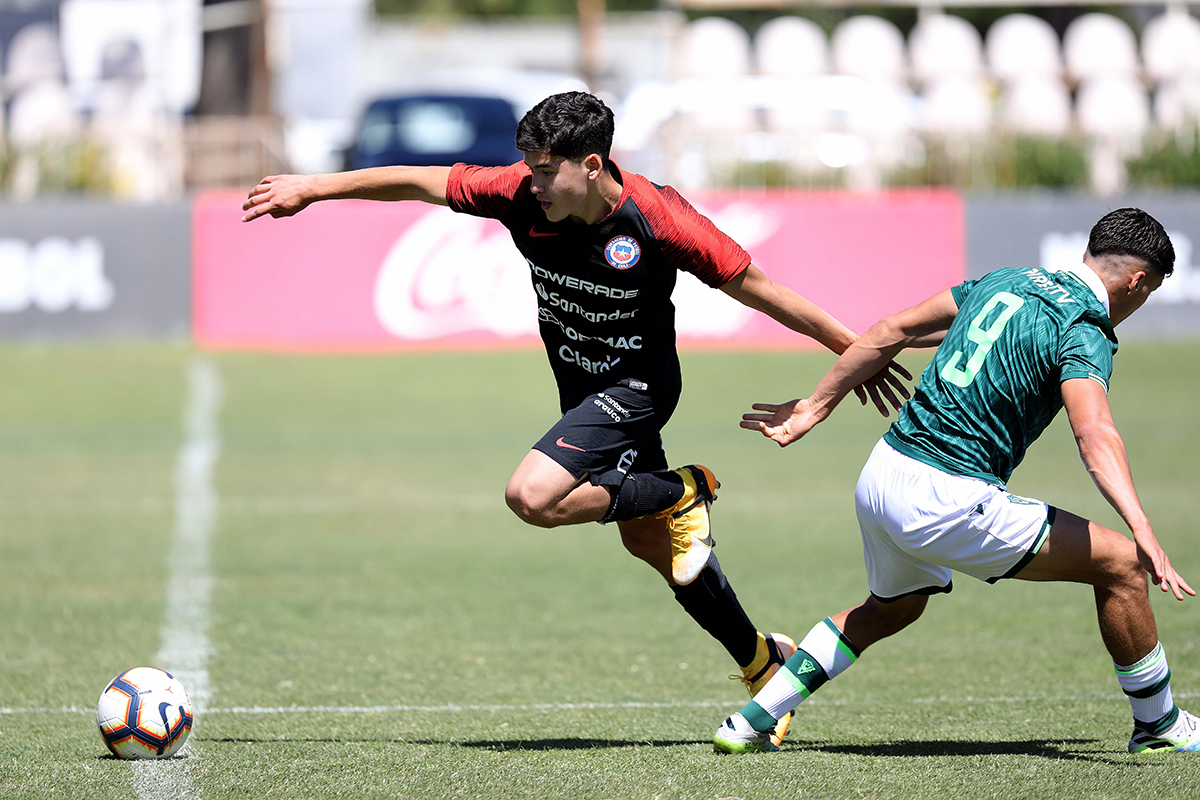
pixel 435 130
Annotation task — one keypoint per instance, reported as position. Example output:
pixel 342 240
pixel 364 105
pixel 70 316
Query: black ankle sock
pixel 711 601
pixel 644 493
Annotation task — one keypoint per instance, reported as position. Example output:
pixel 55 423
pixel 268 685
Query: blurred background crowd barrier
pixel 148 99
pixel 132 128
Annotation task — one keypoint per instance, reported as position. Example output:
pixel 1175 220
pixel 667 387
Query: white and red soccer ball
pixel 144 713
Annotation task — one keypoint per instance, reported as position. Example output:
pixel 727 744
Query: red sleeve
pixel 689 240
pixel 486 191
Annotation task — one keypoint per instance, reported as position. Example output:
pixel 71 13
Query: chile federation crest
pixel 622 252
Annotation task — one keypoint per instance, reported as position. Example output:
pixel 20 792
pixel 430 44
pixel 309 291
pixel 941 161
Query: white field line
pixel 185 646
pixel 260 505
pixel 553 707
pixel 325 504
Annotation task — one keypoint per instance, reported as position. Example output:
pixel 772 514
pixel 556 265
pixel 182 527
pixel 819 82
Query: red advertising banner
pixel 360 275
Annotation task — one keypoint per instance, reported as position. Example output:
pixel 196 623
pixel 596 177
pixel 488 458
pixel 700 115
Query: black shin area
pixel 711 601
pixel 640 493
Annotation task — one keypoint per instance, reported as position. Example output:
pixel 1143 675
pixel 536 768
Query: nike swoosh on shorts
pixel 561 443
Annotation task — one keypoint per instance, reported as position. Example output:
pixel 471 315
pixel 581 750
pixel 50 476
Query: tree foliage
pixel 1173 161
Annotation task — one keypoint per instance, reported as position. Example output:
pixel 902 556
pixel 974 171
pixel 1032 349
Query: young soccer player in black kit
pixel 603 248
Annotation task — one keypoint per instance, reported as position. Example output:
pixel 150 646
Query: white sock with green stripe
pixel 823 655
pixel 1147 684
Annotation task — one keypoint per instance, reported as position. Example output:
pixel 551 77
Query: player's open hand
pixel 784 423
pixel 1154 560
pixel 879 388
pixel 279 196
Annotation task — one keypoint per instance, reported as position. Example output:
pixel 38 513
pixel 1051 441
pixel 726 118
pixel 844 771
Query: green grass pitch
pixel 382 626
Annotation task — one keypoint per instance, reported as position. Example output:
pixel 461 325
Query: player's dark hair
pixel 1133 232
pixel 572 125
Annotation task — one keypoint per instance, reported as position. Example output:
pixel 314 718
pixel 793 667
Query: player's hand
pixel 279 196
pixel 1154 560
pixel 784 423
pixel 879 388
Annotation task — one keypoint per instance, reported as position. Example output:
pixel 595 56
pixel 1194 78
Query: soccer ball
pixel 144 713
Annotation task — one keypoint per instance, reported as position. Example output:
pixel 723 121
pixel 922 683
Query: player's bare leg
pixel 647 538
pixel 543 493
pixel 1081 551
pixel 872 620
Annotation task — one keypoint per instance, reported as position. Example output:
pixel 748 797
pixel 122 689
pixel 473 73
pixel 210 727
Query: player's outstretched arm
pixel 286 195
pixel 753 288
pixel 923 324
pixel 1103 453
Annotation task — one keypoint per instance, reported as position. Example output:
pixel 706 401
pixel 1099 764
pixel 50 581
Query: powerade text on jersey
pixel 995 382
pixel 604 290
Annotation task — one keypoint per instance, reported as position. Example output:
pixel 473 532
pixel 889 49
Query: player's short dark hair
pixel 572 125
pixel 1133 232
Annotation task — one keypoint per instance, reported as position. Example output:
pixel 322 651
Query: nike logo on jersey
pixel 535 234
pixel 561 443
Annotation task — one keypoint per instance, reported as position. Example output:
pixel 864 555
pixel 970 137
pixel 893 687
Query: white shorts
pixel 918 523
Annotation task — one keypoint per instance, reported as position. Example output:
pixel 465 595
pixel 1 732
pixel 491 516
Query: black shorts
pixel 612 433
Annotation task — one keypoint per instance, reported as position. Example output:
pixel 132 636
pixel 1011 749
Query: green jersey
pixel 996 380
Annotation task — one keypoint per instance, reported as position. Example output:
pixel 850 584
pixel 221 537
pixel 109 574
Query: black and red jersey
pixel 604 290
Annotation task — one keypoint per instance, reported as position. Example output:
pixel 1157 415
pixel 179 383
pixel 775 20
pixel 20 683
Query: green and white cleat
pixel 773 650
pixel 738 736
pixel 1182 737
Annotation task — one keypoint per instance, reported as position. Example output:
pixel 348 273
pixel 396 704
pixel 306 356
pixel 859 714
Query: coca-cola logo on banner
pixel 451 273
pixel 358 275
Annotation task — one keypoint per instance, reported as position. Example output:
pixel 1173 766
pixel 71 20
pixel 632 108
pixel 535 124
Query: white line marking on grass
pixel 485 502
pixel 404 709
pixel 262 505
pixel 185 646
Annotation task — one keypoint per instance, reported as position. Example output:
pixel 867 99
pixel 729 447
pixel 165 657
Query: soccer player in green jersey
pixel 1014 347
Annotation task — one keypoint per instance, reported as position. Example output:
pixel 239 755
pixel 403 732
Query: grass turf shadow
pixel 1057 749
pixel 505 745
pixel 1053 749
pixel 499 745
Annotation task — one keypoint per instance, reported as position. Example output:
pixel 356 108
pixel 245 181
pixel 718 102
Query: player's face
pixel 559 184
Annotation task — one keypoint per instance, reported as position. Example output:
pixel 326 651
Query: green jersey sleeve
pixel 1086 352
pixel 961 291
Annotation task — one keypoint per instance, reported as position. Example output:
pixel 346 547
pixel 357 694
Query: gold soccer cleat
pixel 687 522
